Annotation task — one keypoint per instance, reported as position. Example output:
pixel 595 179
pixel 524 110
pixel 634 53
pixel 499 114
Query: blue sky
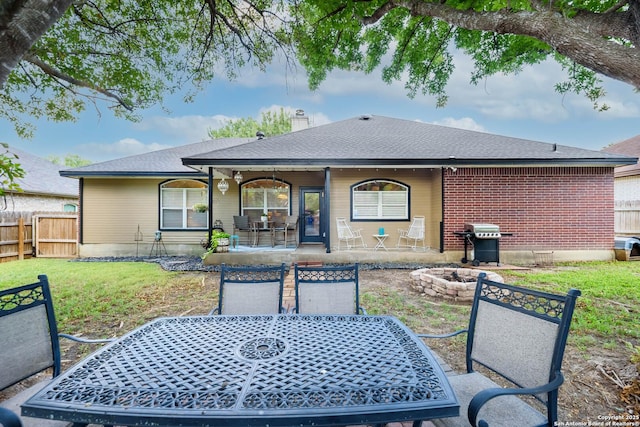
pixel 523 106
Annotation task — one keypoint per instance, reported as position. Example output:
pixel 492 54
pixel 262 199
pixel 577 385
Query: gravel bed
pixel 175 263
pixel 169 263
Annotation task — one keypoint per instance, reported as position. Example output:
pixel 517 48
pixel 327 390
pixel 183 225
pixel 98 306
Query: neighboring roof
pixel 367 141
pixel 167 162
pixel 382 141
pixel 43 177
pixel 629 147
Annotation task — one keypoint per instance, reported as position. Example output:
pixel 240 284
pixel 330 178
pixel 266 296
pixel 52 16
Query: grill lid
pixel 483 231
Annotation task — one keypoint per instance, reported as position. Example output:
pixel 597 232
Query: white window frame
pixel 380 205
pixel 271 185
pixel 187 197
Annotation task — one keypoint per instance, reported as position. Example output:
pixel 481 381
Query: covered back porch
pixel 371 201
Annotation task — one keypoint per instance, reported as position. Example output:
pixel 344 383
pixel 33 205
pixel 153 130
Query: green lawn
pixel 127 294
pixel 113 297
pixel 610 303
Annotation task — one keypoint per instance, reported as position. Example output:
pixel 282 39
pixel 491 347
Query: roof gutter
pixel 406 163
pixel 127 174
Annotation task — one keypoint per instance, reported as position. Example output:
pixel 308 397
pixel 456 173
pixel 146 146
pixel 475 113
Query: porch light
pixel 223 186
pixel 238 177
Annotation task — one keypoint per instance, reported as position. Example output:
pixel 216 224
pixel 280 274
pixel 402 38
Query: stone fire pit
pixel 458 284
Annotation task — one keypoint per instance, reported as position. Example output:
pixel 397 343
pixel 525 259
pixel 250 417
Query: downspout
pixel 210 203
pixel 81 217
pixel 442 213
pixel 327 209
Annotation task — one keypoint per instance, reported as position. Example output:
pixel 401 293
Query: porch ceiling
pixel 227 170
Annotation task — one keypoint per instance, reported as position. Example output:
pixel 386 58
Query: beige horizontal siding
pixel 112 210
pixel 425 200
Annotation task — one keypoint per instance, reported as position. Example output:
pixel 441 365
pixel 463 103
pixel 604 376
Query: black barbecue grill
pixel 485 241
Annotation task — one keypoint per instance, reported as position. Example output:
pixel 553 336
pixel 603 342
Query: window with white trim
pixel 265 195
pixel 177 198
pixel 380 199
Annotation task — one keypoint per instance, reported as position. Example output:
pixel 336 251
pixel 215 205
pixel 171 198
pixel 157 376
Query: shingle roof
pixel 367 141
pixel 628 147
pixel 377 140
pixel 165 162
pixel 43 177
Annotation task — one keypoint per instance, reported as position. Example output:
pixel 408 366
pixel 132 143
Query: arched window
pixel 265 195
pixel 70 207
pixel 177 200
pixel 380 200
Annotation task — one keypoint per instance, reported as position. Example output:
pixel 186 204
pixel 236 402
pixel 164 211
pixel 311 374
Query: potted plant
pixel 265 216
pixel 219 240
pixel 200 207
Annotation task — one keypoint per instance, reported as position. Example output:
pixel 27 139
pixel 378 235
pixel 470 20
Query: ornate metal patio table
pixel 268 370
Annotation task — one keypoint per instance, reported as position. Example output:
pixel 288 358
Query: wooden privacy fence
pixel 15 240
pixel 24 235
pixel 627 217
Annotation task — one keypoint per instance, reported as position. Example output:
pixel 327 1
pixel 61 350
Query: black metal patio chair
pixel 29 338
pixel 518 334
pixel 327 290
pixel 250 290
pixel 242 224
pixel 9 418
pixel 288 228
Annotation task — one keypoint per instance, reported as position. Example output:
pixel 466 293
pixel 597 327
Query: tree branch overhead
pixel 133 55
pixel 590 39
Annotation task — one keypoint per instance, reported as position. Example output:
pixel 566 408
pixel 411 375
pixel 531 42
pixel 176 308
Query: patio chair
pixel 9 418
pixel 250 290
pixel 413 235
pixel 519 335
pixel 327 290
pixel 29 338
pixel 242 223
pixel 288 229
pixel 348 235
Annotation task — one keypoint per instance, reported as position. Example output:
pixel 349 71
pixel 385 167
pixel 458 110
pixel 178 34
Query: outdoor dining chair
pixel 327 290
pixel 288 229
pixel 348 235
pixel 250 290
pixel 242 223
pixel 29 338
pixel 413 235
pixel 519 334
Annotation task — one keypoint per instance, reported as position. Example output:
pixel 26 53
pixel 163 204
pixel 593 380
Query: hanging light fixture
pixel 238 177
pixel 223 186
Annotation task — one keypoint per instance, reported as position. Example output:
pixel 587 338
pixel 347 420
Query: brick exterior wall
pixel 563 208
pixel 25 202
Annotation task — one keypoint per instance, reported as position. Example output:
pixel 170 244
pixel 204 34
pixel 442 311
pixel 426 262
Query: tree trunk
pixel 22 23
